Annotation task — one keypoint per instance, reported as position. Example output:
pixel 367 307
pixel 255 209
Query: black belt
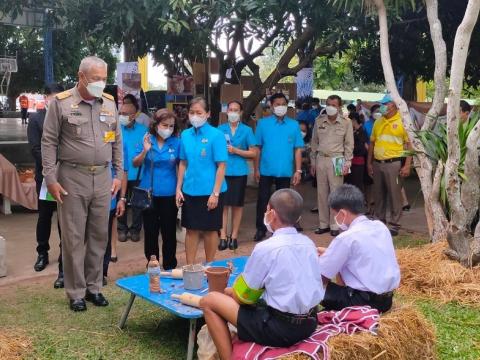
pixel 371 295
pixel 389 160
pixel 294 319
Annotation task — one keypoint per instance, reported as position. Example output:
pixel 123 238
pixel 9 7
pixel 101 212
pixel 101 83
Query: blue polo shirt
pixel 133 137
pixel 368 127
pixel 278 139
pixel 202 149
pixel 165 160
pixel 243 139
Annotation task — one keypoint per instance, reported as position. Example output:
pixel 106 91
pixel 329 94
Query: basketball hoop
pixel 8 65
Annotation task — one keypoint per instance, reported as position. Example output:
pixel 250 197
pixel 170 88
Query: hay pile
pixel 428 273
pixel 403 334
pixel 13 346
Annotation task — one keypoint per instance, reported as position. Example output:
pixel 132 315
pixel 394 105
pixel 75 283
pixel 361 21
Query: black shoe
pixel 232 244
pixel 122 236
pixel 406 207
pixel 299 228
pixel 222 245
pixel 97 299
pixel 314 210
pixel 114 259
pixel 41 263
pixel 259 235
pixel 78 305
pixel 393 232
pixel 334 233
pixel 135 237
pixel 105 281
pixel 58 284
pixel 321 231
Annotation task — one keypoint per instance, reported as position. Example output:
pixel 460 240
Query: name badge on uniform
pixel 204 140
pixel 74 110
pixel 109 136
pixel 203 153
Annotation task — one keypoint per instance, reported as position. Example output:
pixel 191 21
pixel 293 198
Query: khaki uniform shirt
pixel 332 139
pixel 81 133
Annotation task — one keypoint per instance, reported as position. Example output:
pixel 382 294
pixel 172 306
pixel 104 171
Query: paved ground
pixel 12 130
pixel 19 231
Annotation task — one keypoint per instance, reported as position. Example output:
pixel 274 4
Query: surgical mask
pixel 233 117
pixel 280 110
pixel 197 121
pixel 377 115
pixel 267 224
pixel 331 110
pixel 314 107
pixel 342 226
pixel 96 88
pixel 123 119
pixel 164 133
pixel 303 134
pixel 383 109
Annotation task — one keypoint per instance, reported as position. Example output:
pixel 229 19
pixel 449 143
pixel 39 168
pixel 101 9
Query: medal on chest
pixel 203 153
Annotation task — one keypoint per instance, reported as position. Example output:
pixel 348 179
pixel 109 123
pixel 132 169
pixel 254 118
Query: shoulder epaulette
pixel 108 96
pixel 63 95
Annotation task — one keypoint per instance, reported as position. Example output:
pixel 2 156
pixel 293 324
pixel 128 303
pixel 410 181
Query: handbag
pixel 142 198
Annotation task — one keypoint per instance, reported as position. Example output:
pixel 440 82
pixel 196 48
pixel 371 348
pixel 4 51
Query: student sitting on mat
pixel 362 255
pixel 273 302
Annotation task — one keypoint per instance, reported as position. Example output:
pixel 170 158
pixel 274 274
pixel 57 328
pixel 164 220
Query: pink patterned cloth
pixel 331 323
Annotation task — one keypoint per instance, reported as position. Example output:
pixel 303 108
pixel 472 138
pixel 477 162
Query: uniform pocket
pixel 77 126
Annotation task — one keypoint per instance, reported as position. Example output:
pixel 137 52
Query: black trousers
pixel 161 218
pixel 44 227
pixel 356 177
pixel 338 297
pixel 24 113
pixel 108 251
pixel 264 192
pixel 122 224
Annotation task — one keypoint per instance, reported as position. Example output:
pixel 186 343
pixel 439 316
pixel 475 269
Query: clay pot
pixel 217 277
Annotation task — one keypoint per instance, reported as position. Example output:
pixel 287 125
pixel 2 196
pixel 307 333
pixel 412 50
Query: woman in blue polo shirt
pixel 201 182
pixel 241 146
pixel 161 147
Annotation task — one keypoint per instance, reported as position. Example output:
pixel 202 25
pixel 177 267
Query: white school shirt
pixel 364 256
pixel 287 267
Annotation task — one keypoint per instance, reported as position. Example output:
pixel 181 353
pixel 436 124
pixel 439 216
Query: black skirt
pixel 235 194
pixel 196 216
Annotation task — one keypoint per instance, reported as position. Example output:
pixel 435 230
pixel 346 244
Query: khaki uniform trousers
pixel 327 182
pixel 84 222
pixel 387 188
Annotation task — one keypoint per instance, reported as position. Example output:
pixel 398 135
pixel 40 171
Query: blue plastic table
pixel 138 285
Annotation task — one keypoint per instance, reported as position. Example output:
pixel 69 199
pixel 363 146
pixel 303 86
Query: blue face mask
pixel 383 109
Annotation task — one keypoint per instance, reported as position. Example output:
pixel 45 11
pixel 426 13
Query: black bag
pixel 142 198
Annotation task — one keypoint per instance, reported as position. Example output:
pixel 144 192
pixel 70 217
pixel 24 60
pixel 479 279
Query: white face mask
pixel 280 110
pixel 164 133
pixel 96 88
pixel 342 226
pixel 303 134
pixel 233 117
pixel 331 110
pixel 377 115
pixel 197 121
pixel 123 119
pixel 267 224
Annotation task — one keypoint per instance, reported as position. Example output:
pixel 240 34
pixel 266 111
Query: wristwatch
pixel 123 199
pixel 216 194
pixel 299 171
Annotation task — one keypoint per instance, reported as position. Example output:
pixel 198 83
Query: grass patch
pixel 42 313
pixel 409 240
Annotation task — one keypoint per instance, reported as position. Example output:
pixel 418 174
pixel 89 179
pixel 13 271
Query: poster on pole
pixel 180 85
pixel 304 80
pixel 129 80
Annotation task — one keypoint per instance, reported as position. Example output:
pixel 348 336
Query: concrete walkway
pixel 19 231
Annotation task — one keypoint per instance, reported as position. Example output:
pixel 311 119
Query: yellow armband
pixel 244 293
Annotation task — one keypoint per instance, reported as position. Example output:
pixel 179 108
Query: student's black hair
pixel 278 96
pixel 131 99
pixel 235 102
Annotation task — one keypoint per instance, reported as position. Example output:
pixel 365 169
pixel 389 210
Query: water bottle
pixel 154 274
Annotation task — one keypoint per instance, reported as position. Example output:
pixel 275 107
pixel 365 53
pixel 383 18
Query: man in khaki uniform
pixel 81 137
pixel 332 139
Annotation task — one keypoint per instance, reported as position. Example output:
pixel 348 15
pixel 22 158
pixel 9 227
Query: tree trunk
pixel 462 245
pixel 12 102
